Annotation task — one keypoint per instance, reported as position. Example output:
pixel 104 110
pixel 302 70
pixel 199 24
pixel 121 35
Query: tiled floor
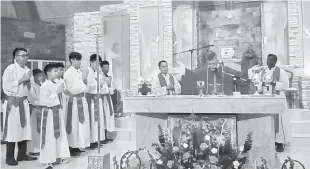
pixel 119 148
pixel 116 149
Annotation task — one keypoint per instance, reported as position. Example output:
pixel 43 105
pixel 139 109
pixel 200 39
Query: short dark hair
pixel 36 72
pixel 105 62
pixel 93 58
pixel 49 67
pixel 162 61
pixel 59 65
pixel 17 50
pixel 75 55
pixel 273 55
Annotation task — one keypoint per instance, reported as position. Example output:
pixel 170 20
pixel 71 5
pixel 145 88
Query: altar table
pixel 253 114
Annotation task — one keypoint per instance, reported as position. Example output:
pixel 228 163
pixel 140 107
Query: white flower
pixel 169 164
pixel 159 162
pixel 214 150
pixel 207 138
pixel 185 145
pixel 236 164
pixel 175 149
pixel 203 146
pixel 241 148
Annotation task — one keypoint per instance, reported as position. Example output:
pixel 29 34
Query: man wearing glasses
pixel 16 107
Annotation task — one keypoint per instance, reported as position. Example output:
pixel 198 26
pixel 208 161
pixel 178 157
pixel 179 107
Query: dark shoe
pixel 26 158
pixel 79 150
pixel 49 166
pixel 11 162
pixel 3 142
pixel 74 154
pixel 34 154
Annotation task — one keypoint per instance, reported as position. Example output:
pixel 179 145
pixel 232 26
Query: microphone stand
pixel 191 52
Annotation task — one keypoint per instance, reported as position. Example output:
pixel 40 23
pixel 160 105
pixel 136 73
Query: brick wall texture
pixel 81 28
pixel 48 43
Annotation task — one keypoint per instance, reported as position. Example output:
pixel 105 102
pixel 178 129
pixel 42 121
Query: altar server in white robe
pixel 54 143
pixel 106 92
pixel 59 80
pixel 164 79
pixel 35 111
pixel 77 121
pixel 94 102
pixel 17 128
pixel 279 85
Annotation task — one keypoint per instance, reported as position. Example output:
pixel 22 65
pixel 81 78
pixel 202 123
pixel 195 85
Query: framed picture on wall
pixel 228 52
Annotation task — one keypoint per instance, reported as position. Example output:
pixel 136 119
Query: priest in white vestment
pixel 95 104
pixel 16 126
pixel 279 85
pixel 164 79
pixel 54 142
pixel 106 92
pixel 77 121
pixel 35 111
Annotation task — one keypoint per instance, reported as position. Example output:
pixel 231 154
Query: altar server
pixel 59 80
pixel 94 103
pixel 106 91
pixel 17 127
pixel 77 123
pixel 54 143
pixel 35 111
pixel 163 79
pixel 279 85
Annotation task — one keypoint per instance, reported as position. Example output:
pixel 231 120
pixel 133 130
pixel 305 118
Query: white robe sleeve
pixel 177 86
pixel 73 84
pixel 155 83
pixel 91 83
pixel 10 85
pixel 47 98
pixel 32 96
pixel 283 83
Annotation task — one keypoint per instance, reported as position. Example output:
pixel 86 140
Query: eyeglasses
pixel 24 56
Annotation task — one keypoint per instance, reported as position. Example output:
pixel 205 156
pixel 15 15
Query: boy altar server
pixel 59 80
pixel 106 92
pixel 94 105
pixel 54 143
pixel 77 123
pixel 35 111
pixel 16 107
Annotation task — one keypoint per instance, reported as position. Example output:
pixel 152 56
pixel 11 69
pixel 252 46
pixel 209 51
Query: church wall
pixel 80 36
pixel 243 29
pixel 43 40
pixel 295 32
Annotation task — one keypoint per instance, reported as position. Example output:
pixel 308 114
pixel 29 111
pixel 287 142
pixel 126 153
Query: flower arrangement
pixel 212 153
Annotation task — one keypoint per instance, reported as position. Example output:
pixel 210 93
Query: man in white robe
pixel 107 91
pixel 17 128
pixel 77 121
pixel 54 142
pixel 35 111
pixel 279 85
pixel 94 102
pixel 164 79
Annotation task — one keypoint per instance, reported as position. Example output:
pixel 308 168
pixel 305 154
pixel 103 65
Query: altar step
pixel 125 122
pixel 125 129
pixel 300 124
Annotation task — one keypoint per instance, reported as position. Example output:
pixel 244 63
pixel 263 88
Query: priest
pixel 279 85
pixel 164 79
pixel 207 73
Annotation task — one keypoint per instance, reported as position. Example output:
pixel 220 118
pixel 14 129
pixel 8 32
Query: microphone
pixel 220 64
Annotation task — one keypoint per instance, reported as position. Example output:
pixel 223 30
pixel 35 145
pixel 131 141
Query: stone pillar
pixel 80 35
pixel 295 32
